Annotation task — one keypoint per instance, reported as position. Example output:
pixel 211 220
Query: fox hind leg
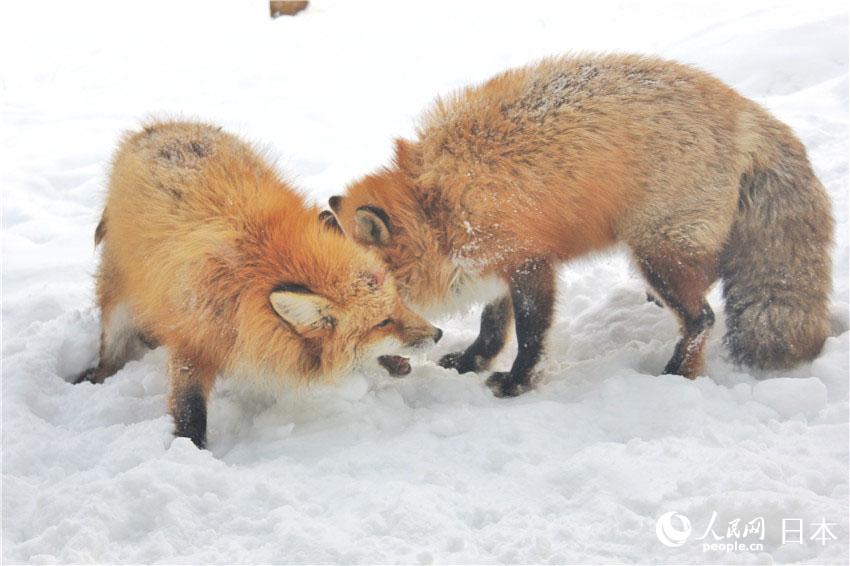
pixel 121 341
pixel 682 281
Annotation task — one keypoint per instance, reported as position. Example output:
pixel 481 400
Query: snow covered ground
pixel 430 467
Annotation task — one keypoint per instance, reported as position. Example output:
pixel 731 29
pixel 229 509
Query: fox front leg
pixel 495 320
pixel 191 382
pixel 532 288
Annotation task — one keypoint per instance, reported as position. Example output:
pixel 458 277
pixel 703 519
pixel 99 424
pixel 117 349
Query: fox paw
pixel 89 375
pixel 504 384
pixel 461 362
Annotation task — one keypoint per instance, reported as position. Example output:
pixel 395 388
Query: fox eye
pixel 383 323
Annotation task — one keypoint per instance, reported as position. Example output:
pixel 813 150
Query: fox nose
pixel 438 335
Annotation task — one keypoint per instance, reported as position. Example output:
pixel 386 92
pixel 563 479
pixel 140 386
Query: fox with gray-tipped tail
pixel 552 161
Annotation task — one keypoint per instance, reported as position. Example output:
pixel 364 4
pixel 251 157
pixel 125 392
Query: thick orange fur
pixel 197 233
pixel 573 154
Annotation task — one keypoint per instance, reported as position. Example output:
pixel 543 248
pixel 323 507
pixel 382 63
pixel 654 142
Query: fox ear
pixel 305 311
pixel 372 225
pixel 329 221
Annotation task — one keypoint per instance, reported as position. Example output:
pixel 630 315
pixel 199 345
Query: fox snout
pixel 423 338
pixel 416 332
pixel 435 336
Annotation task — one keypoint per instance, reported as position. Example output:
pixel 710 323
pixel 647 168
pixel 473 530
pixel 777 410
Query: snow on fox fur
pixel 552 161
pixel 206 251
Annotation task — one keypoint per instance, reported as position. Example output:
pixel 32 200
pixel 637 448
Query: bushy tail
pixel 776 266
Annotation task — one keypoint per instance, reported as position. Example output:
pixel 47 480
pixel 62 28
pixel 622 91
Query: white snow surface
pixel 431 467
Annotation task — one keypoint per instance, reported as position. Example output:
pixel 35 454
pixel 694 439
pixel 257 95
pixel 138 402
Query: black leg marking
pixel 190 415
pixel 99 373
pixel 113 359
pixel 533 298
pixel 491 339
pixel 85 376
pixel 100 231
pixel 650 298
pixel 683 291
pixel 693 338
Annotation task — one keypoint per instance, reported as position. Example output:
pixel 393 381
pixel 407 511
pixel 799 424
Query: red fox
pixel 558 159
pixel 206 251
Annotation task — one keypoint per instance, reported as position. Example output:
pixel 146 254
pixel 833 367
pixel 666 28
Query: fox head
pixel 319 298
pixel 383 213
